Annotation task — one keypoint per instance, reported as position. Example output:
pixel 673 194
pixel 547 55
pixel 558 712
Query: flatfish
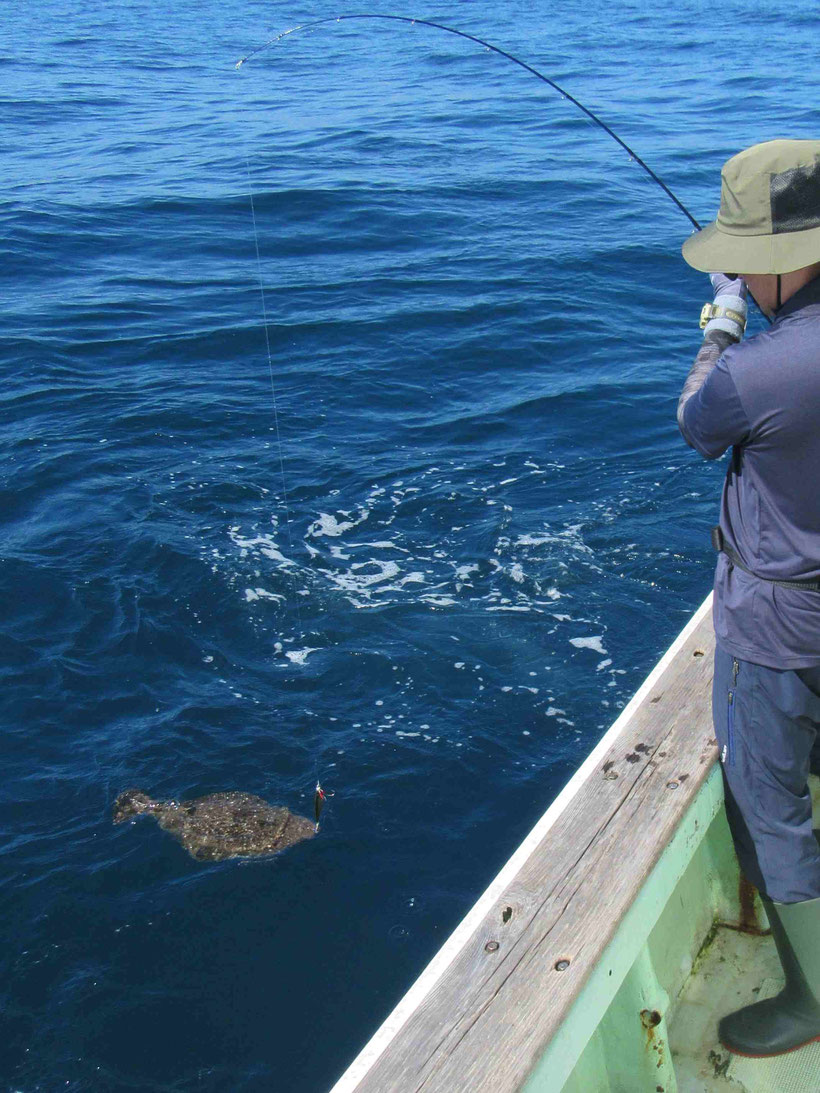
pixel 220 825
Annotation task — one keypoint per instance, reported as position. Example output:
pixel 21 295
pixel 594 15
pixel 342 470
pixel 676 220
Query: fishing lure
pixel 319 798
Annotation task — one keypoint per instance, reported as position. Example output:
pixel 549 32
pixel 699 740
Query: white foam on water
pixel 534 540
pixel 299 656
pixel 383 544
pixel 567 537
pixel 404 557
pixel 259 544
pixel 329 525
pixel 252 594
pixel 360 583
pixel 593 643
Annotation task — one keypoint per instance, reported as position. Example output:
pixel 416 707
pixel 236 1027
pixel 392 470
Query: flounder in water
pixel 221 825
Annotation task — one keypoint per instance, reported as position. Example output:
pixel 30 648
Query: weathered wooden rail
pixel 495 997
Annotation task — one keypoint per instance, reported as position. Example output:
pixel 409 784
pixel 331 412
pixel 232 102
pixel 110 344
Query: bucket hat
pixel 769 218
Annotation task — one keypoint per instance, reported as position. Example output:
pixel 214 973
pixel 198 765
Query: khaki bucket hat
pixel 769 219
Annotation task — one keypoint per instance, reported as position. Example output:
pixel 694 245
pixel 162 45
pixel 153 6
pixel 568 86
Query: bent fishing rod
pixel 406 19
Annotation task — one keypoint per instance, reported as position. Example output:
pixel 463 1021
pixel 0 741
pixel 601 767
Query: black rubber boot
pixel 792 1018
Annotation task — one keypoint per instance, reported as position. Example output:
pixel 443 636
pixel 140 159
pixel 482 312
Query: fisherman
pixel 761 398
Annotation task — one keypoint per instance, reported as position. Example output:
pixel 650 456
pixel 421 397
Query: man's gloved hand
pixel 727 312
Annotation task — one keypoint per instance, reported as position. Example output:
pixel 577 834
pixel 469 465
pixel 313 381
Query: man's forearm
pixel 724 322
pixel 713 345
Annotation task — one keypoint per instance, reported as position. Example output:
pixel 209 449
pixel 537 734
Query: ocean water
pixel 424 548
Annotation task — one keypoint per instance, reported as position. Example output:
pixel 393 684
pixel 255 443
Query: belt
pixel 720 544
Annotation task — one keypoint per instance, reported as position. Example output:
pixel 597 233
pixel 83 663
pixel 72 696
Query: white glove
pixel 727 312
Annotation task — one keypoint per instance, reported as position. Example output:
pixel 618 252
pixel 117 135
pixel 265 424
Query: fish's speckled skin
pixel 220 825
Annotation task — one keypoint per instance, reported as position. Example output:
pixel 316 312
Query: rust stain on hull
pixel 749 923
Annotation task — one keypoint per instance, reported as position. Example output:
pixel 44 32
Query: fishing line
pixel 591 115
pixel 270 372
pixel 633 155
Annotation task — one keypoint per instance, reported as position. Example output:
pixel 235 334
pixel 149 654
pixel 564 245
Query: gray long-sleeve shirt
pixel 761 397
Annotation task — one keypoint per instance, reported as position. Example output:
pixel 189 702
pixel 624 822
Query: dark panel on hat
pixel 795 197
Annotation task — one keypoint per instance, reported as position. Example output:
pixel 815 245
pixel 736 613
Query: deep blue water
pixel 431 578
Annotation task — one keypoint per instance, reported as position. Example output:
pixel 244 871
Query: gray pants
pixel 766 723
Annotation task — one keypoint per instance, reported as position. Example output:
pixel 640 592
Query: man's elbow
pixel 707 451
pixel 693 440
pixel 684 431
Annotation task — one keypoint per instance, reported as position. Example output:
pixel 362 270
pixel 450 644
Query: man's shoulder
pixel 783 348
pixel 779 366
pixel 758 348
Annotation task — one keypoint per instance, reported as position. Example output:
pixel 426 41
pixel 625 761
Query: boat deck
pixel 735 969
pixel 732 970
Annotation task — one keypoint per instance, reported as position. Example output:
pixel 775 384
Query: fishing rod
pixel 633 155
pixel 502 53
